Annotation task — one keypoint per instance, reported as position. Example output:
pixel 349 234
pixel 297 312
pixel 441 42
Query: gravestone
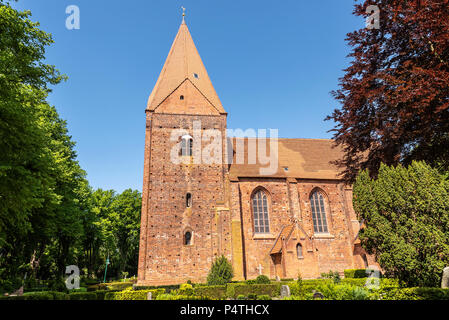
pixel 285 291
pixel 150 296
pixel 317 295
pixel 18 292
pixel 445 279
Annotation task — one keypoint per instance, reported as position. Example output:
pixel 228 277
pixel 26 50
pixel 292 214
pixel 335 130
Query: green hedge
pixel 214 292
pixel 133 294
pixel 40 295
pixel 235 289
pixel 179 297
pixel 167 288
pixel 355 273
pixel 83 296
pixel 411 294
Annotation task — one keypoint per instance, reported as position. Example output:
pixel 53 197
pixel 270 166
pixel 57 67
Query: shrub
pixel 83 296
pixel 179 297
pixel 262 279
pixel 411 294
pixel 241 297
pixel 235 289
pixel 332 291
pixel 406 212
pixel 355 273
pixel 44 295
pixel 263 297
pixel 221 272
pixel 252 296
pixel 167 288
pixel 101 294
pixel 186 289
pixel 333 275
pixel 214 292
pixel 59 295
pixel 130 294
pixel 116 285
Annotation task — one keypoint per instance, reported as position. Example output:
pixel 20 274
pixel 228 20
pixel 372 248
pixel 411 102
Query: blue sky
pixel 272 63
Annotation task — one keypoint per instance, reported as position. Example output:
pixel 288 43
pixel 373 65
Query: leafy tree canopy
pixel 395 94
pixel 406 215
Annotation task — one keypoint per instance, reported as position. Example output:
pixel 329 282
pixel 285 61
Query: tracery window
pixel 260 212
pixel 317 204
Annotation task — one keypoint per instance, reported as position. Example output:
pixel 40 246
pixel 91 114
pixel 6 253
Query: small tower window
pixel 188 200
pixel 186 145
pixel 299 251
pixel 196 75
pixel 187 238
pixel 181 97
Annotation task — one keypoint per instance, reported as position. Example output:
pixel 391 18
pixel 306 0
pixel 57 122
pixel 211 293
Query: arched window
pixel 186 145
pixel 299 251
pixel 318 212
pixel 188 200
pixel 187 238
pixel 260 212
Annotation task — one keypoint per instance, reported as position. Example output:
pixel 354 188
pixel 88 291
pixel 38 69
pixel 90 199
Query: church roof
pixel 297 158
pixel 183 63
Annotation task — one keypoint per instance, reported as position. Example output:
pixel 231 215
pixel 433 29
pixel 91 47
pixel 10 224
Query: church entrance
pixel 278 267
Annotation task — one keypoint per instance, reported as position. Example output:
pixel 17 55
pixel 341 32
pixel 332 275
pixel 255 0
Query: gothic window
pixel 187 238
pixel 318 212
pixel 188 200
pixel 186 145
pixel 260 212
pixel 299 251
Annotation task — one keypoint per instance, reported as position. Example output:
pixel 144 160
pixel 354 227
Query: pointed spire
pixel 183 15
pixel 183 63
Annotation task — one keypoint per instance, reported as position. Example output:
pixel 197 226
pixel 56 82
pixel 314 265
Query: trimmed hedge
pixel 167 288
pixel 179 297
pixel 83 296
pixel 355 273
pixel 412 294
pixel 133 294
pixel 235 289
pixel 214 292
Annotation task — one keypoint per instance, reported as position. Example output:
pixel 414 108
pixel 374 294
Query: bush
pixel 186 289
pixel 262 279
pixel 167 288
pixel 83 296
pixel 332 291
pixel 221 272
pixel 179 297
pixel 334 275
pixel 406 212
pixel 411 294
pixel 241 297
pixel 130 294
pixel 44 295
pixel 252 296
pixel 263 297
pixel 214 292
pixel 235 289
pixel 355 273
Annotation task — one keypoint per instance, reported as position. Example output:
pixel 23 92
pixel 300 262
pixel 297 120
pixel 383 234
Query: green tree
pixel 221 272
pixel 406 214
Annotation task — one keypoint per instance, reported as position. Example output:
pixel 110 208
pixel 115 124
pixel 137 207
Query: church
pixel 295 219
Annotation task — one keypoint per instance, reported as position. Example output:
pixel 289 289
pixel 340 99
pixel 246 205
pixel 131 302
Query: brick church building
pixel 298 219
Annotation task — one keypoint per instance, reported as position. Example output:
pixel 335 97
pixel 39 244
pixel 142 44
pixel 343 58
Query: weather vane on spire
pixel 183 13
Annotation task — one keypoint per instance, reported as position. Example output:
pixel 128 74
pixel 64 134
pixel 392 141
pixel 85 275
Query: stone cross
pixel 260 268
pixel 445 279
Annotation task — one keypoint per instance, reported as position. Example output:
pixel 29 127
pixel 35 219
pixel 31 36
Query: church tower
pixel 185 216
